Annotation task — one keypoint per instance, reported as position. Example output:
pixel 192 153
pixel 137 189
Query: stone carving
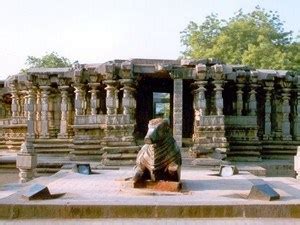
pixel 159 158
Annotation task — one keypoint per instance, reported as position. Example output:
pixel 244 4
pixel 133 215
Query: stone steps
pixel 119 155
pixel 53 147
pixel 244 151
pixel 86 149
pixel 14 144
pixel 280 151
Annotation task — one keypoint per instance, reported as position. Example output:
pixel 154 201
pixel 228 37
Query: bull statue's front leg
pixel 173 171
pixel 141 173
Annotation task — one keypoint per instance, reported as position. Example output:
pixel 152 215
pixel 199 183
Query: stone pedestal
pixel 26 158
pixel 26 161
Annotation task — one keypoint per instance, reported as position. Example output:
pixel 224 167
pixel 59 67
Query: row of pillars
pixel 200 100
pixel 112 100
pixel 285 126
pixel 20 103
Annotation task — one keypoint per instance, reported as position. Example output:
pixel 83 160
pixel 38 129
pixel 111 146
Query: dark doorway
pixel 154 93
pixel 188 111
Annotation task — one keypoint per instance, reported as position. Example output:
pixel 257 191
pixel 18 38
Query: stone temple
pixel 99 112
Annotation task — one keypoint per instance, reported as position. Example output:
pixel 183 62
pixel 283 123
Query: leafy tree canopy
pixel 48 61
pixel 257 39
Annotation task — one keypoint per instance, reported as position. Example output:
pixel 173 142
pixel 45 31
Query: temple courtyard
pixel 108 194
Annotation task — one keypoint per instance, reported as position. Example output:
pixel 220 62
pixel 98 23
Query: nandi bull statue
pixel 159 158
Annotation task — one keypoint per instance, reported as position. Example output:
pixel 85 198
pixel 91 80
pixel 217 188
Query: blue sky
pixel 93 31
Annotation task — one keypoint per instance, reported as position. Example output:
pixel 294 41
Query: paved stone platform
pixel 165 221
pixel 107 194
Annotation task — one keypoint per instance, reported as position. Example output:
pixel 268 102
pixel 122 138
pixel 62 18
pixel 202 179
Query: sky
pixel 96 31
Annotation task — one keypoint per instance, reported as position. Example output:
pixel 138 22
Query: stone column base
pixel 26 163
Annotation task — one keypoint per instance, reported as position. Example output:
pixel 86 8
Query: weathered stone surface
pixel 159 185
pixel 106 195
pixel 263 192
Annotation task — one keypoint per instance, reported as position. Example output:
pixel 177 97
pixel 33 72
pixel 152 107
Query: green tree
pixel 257 39
pixel 48 61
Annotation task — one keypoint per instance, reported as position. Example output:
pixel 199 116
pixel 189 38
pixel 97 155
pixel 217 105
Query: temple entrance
pixel 161 105
pixel 155 99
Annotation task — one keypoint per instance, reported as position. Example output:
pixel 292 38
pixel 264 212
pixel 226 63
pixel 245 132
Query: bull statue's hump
pixel 160 157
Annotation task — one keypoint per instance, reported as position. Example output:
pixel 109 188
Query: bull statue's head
pixel 158 130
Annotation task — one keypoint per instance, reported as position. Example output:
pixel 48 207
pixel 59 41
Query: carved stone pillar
pixel 14 100
pixel 218 97
pixel 177 111
pixel 31 113
pixel 38 111
pixel 63 132
pixel 51 103
pixel 239 99
pixel 79 101
pixel 252 98
pixel 240 79
pixel 70 115
pixel 21 103
pixel 286 109
pixel 111 96
pixel 2 108
pixel 94 103
pixel 128 101
pixel 297 116
pixel 26 158
pixel 268 109
pixel 44 111
pixel 199 99
pixel 24 103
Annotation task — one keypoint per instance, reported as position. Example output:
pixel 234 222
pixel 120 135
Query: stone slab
pixel 106 195
pixel 83 168
pixel 228 170
pixel 263 192
pixel 37 191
